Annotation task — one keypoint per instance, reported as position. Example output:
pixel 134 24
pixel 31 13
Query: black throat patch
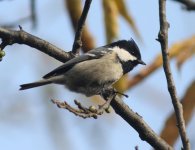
pixel 128 66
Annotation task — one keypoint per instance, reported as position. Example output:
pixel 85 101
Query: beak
pixel 141 62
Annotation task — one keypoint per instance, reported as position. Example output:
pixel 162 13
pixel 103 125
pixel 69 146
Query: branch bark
pixel 77 41
pixel 170 132
pixel 74 9
pixel 10 37
pixel 163 39
pixel 136 121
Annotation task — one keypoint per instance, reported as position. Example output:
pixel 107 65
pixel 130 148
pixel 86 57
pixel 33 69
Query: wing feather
pixel 93 54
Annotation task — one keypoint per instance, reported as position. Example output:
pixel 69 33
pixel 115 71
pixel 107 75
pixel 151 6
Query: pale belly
pixel 91 77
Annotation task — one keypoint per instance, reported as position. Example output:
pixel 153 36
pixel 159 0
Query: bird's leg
pixel 106 92
pixel 109 94
pixel 106 105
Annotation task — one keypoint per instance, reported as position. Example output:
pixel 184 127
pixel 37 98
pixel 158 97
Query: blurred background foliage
pixel 30 121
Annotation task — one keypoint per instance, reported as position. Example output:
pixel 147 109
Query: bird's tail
pixel 34 84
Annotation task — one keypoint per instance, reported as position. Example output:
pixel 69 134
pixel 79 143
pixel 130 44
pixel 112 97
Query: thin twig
pixel 170 132
pixel 77 40
pixel 163 39
pixel 10 37
pixel 92 111
pixel 82 111
pixel 189 4
pixel 74 9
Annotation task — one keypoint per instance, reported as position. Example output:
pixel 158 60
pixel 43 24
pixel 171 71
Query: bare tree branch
pixel 83 111
pixel 136 121
pixel 132 118
pixel 77 41
pixel 10 37
pixel 74 9
pixel 92 111
pixel 189 4
pixel 163 39
pixel 170 132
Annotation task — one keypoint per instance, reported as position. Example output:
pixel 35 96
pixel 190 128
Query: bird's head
pixel 127 52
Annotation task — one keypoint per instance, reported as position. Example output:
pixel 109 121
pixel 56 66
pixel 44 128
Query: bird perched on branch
pixel 95 71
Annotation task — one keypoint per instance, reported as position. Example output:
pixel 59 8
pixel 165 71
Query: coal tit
pixel 95 70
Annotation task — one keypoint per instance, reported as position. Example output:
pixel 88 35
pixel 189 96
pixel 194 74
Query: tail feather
pixel 34 84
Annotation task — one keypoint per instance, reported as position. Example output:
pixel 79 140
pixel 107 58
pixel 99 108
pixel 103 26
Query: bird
pixel 93 72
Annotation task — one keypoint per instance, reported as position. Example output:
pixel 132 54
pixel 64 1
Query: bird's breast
pixel 89 77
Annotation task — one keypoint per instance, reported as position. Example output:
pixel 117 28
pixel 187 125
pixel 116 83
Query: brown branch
pixel 136 121
pixel 189 4
pixel 163 39
pixel 132 118
pixel 92 111
pixel 10 37
pixel 77 40
pixel 170 132
pixel 82 111
pixel 74 8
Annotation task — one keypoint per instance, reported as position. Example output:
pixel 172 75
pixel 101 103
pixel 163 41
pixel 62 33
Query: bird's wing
pixel 93 54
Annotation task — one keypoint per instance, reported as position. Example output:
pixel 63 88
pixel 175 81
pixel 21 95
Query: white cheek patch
pixel 123 54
